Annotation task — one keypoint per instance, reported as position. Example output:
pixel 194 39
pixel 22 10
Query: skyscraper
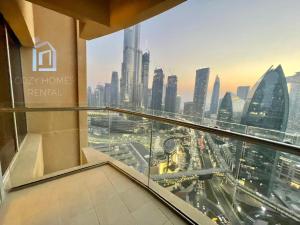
pixel 200 91
pixel 242 91
pixel 145 78
pixel 99 96
pixel 131 68
pixel 230 109
pixel 157 89
pixel 267 107
pixel 215 97
pixel 90 97
pixel 267 103
pixel 229 118
pixel 178 103
pixel 149 97
pixel 294 115
pixel 163 97
pixel 171 94
pixel 107 93
pixel 114 96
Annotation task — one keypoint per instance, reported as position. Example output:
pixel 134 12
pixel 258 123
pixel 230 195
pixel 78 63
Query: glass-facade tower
pixel 294 114
pixel 145 78
pixel 215 97
pixel 114 96
pixel 171 94
pixel 200 91
pixel 157 89
pixel 267 109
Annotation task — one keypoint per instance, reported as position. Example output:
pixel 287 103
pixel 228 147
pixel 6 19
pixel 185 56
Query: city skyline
pixel 238 63
pixel 262 110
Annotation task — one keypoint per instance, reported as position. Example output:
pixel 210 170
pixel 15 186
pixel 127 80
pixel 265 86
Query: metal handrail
pixel 274 145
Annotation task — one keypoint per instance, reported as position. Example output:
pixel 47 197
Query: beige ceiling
pixel 101 17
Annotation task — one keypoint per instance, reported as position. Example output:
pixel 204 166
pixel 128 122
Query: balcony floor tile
pixel 100 196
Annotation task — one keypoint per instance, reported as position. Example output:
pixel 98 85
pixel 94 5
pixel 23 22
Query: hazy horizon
pixel 239 40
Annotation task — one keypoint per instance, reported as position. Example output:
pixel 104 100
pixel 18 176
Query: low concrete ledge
pixel 29 162
pixel 93 156
pixel 174 202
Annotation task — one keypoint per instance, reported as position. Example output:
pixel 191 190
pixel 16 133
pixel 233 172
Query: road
pixel 140 153
pixel 214 185
pixel 188 173
pixel 211 199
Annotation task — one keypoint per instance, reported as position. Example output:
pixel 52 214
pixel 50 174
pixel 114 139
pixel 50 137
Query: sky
pixel 238 39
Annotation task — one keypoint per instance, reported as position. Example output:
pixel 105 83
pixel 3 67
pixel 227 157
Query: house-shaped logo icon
pixel 44 57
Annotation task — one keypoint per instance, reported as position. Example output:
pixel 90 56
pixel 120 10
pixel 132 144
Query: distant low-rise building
pixel 189 108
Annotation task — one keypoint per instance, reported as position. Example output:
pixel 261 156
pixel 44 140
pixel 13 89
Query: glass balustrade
pixel 229 180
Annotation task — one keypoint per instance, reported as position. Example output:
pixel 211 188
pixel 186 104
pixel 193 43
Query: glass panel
pixel 98 130
pixel 183 163
pixel 17 82
pixel 53 143
pixel 7 135
pixel 56 140
pixel 230 181
pixel 7 140
pixel 125 138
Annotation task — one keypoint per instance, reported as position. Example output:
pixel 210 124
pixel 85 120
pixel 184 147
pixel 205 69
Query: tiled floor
pixel 101 196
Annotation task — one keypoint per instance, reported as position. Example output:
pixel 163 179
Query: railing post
pixel 150 153
pixel 109 130
pixel 236 180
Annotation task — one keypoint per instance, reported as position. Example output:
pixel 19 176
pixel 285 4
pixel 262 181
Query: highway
pixel 188 173
pixel 214 185
pixel 210 198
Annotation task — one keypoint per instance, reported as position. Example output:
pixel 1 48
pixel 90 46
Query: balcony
pixel 151 168
pixel 236 163
pixel 96 195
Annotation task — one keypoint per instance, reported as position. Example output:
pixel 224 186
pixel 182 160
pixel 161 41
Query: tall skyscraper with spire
pixel 130 88
pixel 215 97
pixel 171 94
pixel 200 91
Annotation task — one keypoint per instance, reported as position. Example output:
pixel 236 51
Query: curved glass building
pixel 267 105
pixel 266 114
